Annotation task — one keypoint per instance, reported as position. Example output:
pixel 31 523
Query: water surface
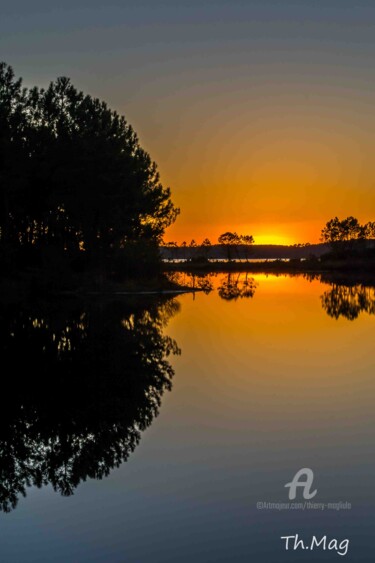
pixel 275 373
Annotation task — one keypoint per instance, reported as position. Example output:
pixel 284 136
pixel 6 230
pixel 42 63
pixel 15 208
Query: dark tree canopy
pixel 73 175
pixel 346 230
pixel 231 241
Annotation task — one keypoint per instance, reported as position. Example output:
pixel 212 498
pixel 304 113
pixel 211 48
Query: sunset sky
pixel 259 113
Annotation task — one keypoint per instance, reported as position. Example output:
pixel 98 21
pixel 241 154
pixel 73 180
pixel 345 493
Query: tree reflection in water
pixel 195 281
pixel 234 286
pixel 84 381
pixel 348 301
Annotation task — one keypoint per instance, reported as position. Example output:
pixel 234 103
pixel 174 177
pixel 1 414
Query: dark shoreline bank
pixel 25 287
pixel 275 267
pixel 38 285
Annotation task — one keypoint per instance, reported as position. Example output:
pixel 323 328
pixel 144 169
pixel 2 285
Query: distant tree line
pixel 229 241
pixel 74 179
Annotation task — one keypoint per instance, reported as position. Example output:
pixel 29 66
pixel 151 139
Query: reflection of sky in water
pixel 264 386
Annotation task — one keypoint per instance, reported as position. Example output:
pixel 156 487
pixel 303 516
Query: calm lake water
pixel 268 375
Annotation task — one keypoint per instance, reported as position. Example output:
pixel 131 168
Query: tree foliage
pixel 346 230
pixel 73 175
pixel 231 241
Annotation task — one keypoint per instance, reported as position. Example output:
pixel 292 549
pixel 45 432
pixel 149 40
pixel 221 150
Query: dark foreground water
pixel 275 374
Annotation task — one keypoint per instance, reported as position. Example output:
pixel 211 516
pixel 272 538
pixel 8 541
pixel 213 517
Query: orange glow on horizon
pixel 273 239
pixel 278 234
pixel 293 169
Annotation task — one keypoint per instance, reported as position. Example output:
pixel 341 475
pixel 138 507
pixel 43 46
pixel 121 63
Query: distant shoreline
pixel 41 285
pixel 354 267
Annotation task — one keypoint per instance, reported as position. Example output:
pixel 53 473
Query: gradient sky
pixel 260 114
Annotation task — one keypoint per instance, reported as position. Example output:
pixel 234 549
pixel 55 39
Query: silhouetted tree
pixel 344 232
pixel 183 246
pixel 369 230
pixel 228 241
pixel 193 246
pixel 247 241
pixel 73 175
pixel 206 247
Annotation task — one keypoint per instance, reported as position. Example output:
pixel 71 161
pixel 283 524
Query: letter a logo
pixel 306 485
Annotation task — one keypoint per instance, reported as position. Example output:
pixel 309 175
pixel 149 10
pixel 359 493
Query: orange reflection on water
pixel 276 363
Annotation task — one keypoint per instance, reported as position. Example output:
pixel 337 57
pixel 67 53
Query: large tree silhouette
pixel 73 175
pixel 341 234
pixel 231 243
